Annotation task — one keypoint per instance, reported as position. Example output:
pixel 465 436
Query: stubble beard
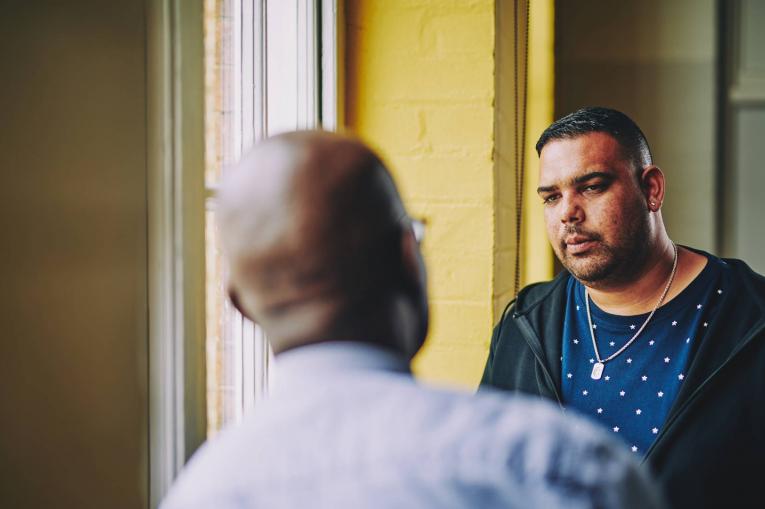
pixel 612 263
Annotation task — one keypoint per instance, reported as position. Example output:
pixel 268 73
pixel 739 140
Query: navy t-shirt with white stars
pixel 637 388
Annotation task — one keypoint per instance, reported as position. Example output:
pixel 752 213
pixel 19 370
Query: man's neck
pixel 641 294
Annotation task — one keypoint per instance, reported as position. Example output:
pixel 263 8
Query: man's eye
pixel 594 187
pixel 550 199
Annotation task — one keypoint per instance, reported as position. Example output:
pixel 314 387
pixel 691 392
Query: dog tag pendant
pixel 597 371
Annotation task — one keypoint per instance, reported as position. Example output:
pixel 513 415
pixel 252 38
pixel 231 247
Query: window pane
pixel 259 82
pixel 217 389
pixel 237 354
pixel 218 97
pixel 282 68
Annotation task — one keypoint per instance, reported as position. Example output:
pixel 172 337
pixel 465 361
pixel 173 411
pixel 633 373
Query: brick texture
pixel 420 89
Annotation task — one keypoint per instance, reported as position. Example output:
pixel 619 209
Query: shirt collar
pixel 307 364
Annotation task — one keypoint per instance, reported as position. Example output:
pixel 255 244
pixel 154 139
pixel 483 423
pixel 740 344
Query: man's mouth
pixel 579 244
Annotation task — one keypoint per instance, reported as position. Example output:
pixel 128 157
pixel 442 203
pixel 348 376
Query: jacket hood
pixel 752 289
pixel 532 295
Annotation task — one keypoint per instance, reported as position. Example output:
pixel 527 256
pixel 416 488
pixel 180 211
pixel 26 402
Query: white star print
pixel 592 361
pixel 660 394
pixel 584 392
pixel 611 343
pixel 595 326
pixel 705 324
pixel 638 411
pixel 600 410
pixel 644 378
pixel 616 429
pixel 569 375
pixel 666 359
pixel 634 448
pixel 680 376
pixel 577 308
pixel 655 430
pixel 698 306
pixel 719 291
pixel 607 378
pixel 688 340
pixel 629 361
pixel 632 327
pixel 651 342
pixel 576 341
pixel 622 393
pixel 674 322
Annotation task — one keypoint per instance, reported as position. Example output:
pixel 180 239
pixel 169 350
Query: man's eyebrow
pixel 578 180
pixel 593 175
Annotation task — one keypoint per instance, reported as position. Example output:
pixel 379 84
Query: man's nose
pixel 571 211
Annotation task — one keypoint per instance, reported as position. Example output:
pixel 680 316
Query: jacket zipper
pixel 535 345
pixel 695 394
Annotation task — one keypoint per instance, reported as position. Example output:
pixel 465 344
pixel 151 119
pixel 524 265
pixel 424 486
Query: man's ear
pixel 411 259
pixel 234 297
pixel 653 186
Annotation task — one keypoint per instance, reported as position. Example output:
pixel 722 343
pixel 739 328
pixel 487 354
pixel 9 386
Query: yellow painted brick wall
pixel 420 89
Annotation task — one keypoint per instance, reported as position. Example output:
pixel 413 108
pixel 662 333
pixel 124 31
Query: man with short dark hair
pixel 663 345
pixel 323 256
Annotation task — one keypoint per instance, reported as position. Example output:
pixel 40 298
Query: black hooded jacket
pixel 711 449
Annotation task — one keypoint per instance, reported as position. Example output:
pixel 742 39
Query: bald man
pixel 323 256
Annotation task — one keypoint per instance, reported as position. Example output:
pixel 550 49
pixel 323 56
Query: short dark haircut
pixel 596 119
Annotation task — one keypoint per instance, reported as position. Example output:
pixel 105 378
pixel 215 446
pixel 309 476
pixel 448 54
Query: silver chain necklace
pixel 597 369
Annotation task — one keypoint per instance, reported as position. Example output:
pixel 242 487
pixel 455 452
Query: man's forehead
pixel 566 160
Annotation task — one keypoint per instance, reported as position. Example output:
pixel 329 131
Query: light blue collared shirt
pixel 348 426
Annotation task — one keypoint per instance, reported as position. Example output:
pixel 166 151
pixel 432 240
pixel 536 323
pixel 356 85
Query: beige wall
pixel 654 60
pixel 73 310
pixel 743 177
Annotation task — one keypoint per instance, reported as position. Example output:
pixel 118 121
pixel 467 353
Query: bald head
pixel 319 244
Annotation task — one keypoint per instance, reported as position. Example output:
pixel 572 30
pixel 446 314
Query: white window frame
pixel 177 196
pixel 175 116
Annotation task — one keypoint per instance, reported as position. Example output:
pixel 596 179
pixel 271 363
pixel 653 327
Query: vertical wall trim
pixel 723 123
pixel 175 115
pixel 332 51
pixel 536 252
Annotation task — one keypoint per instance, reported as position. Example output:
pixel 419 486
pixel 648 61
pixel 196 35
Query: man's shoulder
pixel 745 276
pixel 748 285
pixel 498 423
pixel 537 294
pixel 530 444
pixel 432 439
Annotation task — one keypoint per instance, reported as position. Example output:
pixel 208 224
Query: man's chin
pixel 587 269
